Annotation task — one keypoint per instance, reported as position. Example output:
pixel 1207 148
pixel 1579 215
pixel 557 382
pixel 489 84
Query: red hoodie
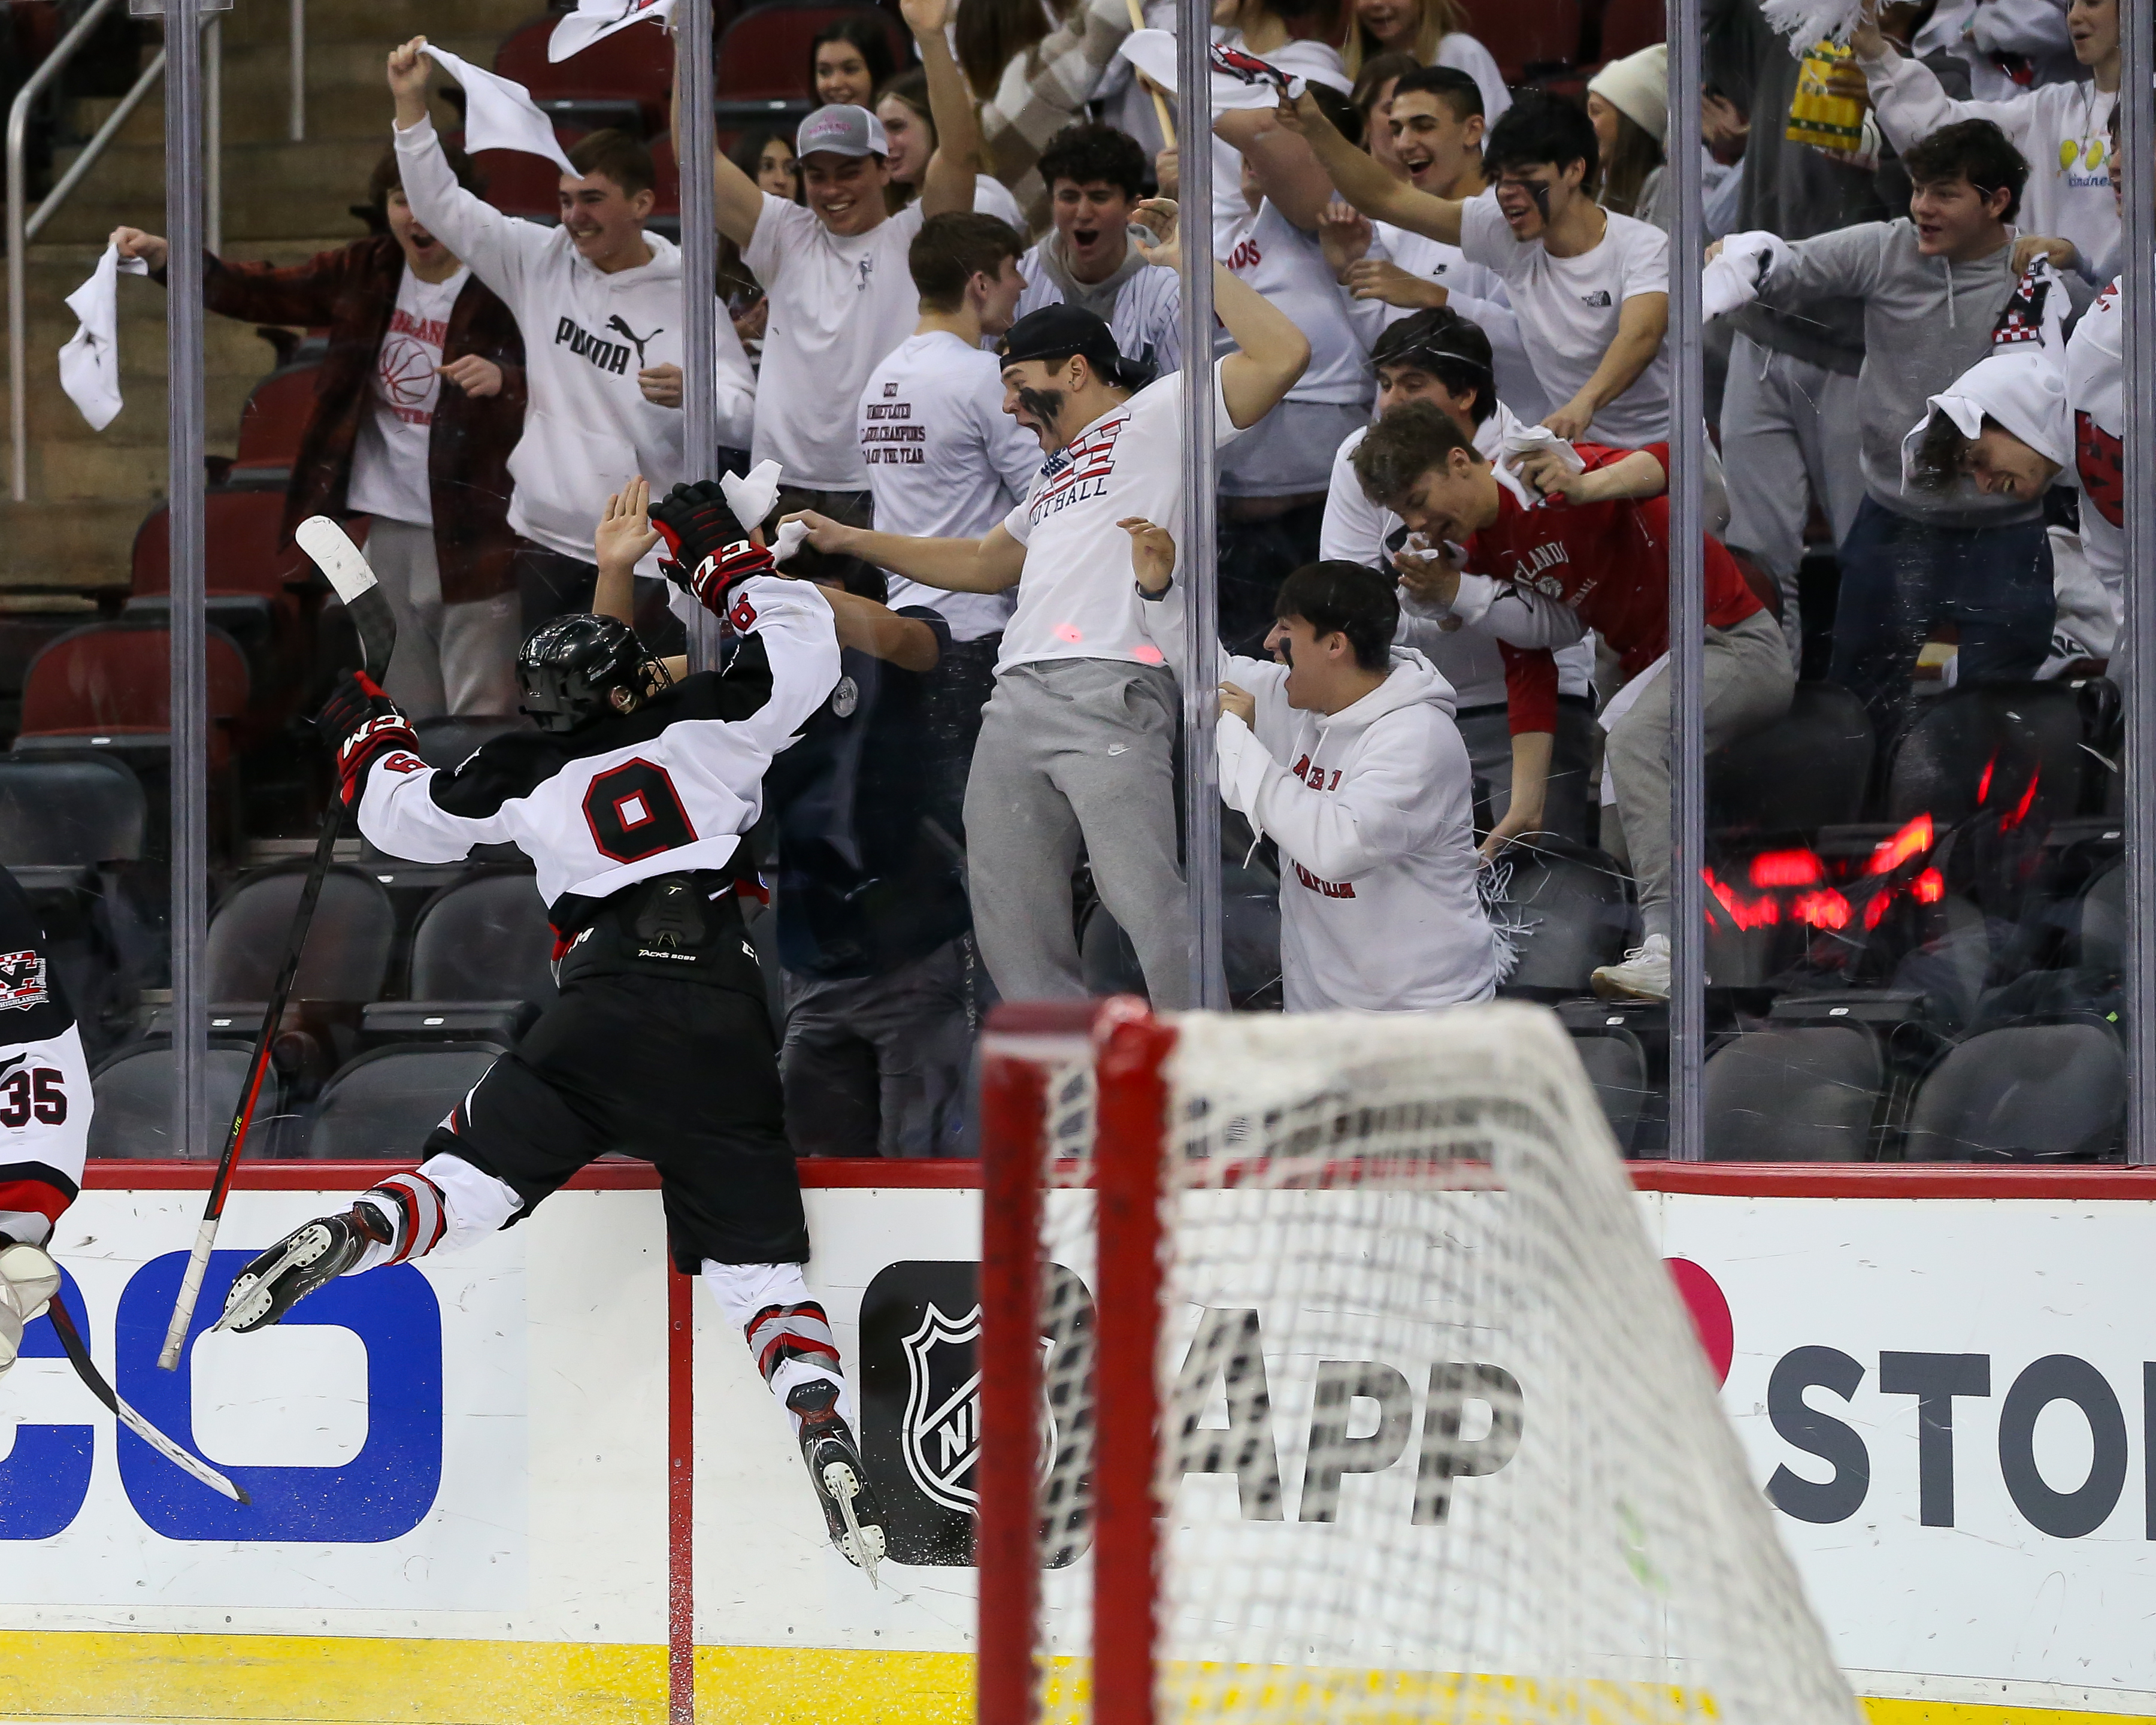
pixel 1609 563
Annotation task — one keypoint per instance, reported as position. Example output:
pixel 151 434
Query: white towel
pixel 1153 52
pixel 499 113
pixel 90 363
pixel 595 20
pixel 750 495
pixel 1739 270
pixel 1532 439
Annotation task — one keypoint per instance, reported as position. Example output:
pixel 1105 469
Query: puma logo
pixel 616 322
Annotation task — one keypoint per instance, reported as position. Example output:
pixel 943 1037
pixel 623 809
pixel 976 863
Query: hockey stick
pixel 338 559
pixel 85 1368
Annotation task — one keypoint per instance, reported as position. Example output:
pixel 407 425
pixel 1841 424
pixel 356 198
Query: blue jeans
pixel 1900 577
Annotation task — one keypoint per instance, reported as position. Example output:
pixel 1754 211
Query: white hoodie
pixel 1375 816
pixel 587 429
pixel 1373 809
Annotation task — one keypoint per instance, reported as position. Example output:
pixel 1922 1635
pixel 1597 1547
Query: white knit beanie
pixel 1638 87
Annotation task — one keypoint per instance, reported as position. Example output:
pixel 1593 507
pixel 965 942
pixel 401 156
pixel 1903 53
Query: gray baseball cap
pixel 842 130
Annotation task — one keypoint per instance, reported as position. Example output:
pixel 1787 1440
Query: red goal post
pixel 1305 1225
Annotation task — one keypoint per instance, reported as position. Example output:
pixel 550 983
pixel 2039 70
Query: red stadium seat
pixel 1629 26
pixel 272 421
pixel 764 54
pixel 241 529
pixel 624 80
pixel 37 27
pixel 518 183
pixel 1520 38
pixel 113 680
pixel 666 181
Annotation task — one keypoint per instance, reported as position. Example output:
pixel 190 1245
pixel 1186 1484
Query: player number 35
pixel 37 1092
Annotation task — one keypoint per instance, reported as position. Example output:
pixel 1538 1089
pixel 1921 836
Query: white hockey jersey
pixel 667 789
pixel 44 1081
pixel 2096 366
pixel 587 429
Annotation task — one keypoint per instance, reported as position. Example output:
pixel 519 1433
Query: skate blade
pixel 247 1306
pixel 863 1547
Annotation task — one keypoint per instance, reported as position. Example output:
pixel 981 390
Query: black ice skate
pixel 851 1508
pixel 316 1253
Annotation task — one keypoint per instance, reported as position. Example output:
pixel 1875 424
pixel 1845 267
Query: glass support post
pixel 1200 572
pixel 1687 596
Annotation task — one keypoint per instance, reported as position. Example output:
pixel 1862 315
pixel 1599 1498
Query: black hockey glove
pixel 707 549
pixel 366 725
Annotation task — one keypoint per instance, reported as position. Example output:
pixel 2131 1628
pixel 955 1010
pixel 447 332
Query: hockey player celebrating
pixel 44 1117
pixel 1343 751
pixel 631 799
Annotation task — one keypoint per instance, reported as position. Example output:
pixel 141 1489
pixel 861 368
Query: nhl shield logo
pixel 942 1423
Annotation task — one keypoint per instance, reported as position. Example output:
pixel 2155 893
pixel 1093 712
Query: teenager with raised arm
pixel 598 301
pixel 1590 289
pixel 835 272
pixel 1076 752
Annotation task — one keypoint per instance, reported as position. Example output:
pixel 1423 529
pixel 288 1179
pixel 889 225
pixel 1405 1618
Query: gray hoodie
pixel 1926 321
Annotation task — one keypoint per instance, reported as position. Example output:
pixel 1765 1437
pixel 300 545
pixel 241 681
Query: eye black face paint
pixel 1044 406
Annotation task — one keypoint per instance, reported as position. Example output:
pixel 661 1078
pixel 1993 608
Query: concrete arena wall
pixel 464 1474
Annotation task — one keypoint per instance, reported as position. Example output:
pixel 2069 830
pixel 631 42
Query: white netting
pixel 1440 1443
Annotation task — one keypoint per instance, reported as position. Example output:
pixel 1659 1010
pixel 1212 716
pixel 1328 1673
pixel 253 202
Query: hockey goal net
pixel 1328 1375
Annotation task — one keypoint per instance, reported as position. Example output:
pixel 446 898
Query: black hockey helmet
pixel 569 668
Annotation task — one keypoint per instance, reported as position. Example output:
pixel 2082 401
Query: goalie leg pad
pixel 29 1280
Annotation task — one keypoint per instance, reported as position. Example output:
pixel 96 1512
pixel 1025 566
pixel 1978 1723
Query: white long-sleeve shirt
pixel 666 789
pixel 587 429
pixel 2062 129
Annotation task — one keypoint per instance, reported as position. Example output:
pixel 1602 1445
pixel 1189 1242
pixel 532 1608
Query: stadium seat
pixel 1807 770
pixel 1529 42
pixel 1610 29
pixel 68 816
pixel 666 187
pixel 23 633
pixel 1569 911
pixel 763 59
pixel 382 1105
pixel 2014 750
pixel 2033 1092
pixel 2103 931
pixel 271 426
pixel 1617 1067
pixel 518 183
pixel 134 1091
pixel 623 80
pixel 479 965
pixel 106 687
pixel 1793 1095
pixel 346 958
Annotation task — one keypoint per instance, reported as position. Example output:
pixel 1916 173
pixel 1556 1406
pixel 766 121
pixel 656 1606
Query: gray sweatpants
pixel 1076 754
pixel 454 660
pixel 1749 681
pixel 1789 434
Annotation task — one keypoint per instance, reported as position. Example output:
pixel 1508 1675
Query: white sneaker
pixel 1645 974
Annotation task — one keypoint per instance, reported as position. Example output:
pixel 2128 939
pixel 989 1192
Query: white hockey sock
pixel 443 1206
pixel 788 1336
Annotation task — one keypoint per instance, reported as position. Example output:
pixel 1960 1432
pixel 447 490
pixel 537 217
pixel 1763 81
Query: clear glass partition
pixel 1769 611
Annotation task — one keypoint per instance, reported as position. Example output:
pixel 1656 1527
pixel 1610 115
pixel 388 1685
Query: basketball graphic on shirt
pixel 406 372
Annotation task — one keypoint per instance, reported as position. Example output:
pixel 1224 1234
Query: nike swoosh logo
pixel 1117 749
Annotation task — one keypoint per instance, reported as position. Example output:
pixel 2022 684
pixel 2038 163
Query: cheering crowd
pixel 1440 396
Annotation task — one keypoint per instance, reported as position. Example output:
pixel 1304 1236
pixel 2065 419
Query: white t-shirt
pixel 1319 60
pixel 1568 309
pixel 389 461
pixel 944 462
pixel 1077 598
pixel 838 307
pixel 1286 266
pixel 1477 293
pixel 1463 53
